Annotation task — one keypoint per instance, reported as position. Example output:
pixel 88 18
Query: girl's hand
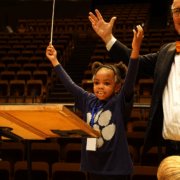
pixel 51 54
pixel 136 43
pixel 103 29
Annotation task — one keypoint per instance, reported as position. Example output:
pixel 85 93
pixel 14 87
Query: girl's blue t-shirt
pixel 112 155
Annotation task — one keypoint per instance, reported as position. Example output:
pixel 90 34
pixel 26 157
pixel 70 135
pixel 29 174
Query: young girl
pixel 107 110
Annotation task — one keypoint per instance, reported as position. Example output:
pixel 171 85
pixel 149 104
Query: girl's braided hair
pixel 119 70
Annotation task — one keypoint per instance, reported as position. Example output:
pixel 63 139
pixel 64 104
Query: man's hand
pixel 136 43
pixel 103 29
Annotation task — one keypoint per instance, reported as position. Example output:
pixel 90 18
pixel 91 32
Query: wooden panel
pixel 37 120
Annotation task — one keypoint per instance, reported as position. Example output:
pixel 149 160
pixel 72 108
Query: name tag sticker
pixel 91 144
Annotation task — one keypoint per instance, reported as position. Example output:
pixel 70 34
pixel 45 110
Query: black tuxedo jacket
pixel 158 66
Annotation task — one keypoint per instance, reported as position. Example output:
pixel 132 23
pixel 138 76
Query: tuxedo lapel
pixel 166 66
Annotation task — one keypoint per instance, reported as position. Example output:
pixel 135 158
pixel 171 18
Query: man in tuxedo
pixel 163 127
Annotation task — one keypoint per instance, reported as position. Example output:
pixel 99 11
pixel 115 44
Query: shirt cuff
pixel 110 43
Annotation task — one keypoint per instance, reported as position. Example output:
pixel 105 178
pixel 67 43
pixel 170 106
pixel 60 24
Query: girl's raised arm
pixel 77 92
pixel 133 65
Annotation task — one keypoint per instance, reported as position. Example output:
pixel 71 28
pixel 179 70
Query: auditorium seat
pixel 3 42
pixel 166 40
pixel 22 25
pixel 5 38
pixel 145 90
pixel 145 115
pixel 5 48
pixel 129 24
pixel 156 35
pixel 60 26
pixel 151 157
pixel 64 43
pixel 46 67
pixel 89 26
pixel 2 67
pixel 14 67
pixel 17 91
pixel 45 152
pixel 12 152
pixel 30 67
pixel 18 47
pixel 37 42
pixel 131 151
pixel 155 40
pixel 13 42
pixel 40 53
pixel 25 42
pixel 144 173
pixel 153 45
pixel 136 139
pixel 29 38
pixel 22 60
pixel 42 26
pixel 87 84
pixel 60 48
pixel 36 60
pixel 73 153
pixel 80 26
pixel 24 75
pixel 88 75
pixel 34 91
pixel 40 171
pixel 94 38
pixel 7 75
pixel 26 53
pixel 68 171
pixel 100 52
pixel 120 24
pixel 17 38
pixel 41 75
pixel 70 26
pixel 47 61
pixel 5 170
pixel 97 58
pixel 2 54
pixel 14 53
pixel 82 37
pixel 170 34
pixel 31 47
pixel 40 37
pixel 43 47
pixel 144 51
pixel 139 126
pixel 101 47
pixel 3 91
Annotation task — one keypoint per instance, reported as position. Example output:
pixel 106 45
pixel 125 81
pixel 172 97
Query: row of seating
pixel 40 170
pixel 64 171
pixel 82 23
pixel 53 153
pixel 63 35
pixel 20 91
pixel 71 152
pixel 114 6
pixel 7 63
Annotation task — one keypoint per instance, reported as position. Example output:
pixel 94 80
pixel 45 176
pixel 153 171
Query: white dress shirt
pixel 171 103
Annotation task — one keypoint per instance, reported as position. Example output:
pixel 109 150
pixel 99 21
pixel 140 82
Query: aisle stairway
pixel 75 67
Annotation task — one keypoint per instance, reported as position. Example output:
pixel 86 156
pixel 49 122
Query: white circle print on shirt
pixel 103 122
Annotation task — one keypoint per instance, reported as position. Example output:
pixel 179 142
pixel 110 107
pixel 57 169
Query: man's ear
pixel 117 88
